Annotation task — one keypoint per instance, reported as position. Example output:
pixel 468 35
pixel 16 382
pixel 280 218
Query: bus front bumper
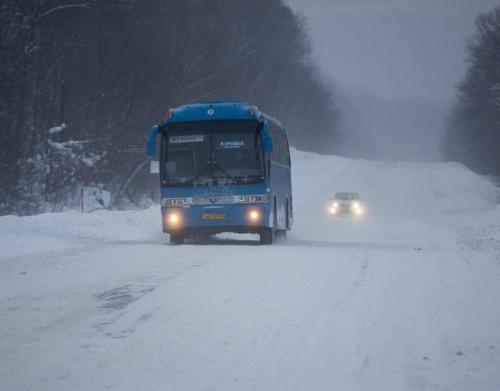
pixel 247 218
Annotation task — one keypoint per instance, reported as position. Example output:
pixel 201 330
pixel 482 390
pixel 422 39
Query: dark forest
pixel 81 83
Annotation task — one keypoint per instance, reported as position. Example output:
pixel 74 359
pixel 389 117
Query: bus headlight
pixel 254 215
pixel 173 218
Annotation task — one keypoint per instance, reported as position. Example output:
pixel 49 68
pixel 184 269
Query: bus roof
pixel 217 110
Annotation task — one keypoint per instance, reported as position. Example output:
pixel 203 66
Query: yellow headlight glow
pixel 254 215
pixel 173 218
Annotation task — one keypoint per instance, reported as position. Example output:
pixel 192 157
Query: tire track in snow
pixel 355 285
pixel 204 275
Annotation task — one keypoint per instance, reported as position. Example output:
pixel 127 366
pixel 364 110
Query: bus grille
pixel 213 200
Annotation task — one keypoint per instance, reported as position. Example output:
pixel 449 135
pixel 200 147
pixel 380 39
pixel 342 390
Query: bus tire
pixel 287 216
pixel 275 215
pixel 204 236
pixel 266 236
pixel 176 238
pixel 280 234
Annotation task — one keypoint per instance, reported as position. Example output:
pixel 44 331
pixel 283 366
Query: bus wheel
pixel 176 238
pixel 204 236
pixel 280 234
pixel 266 236
pixel 287 217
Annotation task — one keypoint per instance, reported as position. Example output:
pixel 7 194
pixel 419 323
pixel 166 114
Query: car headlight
pixel 335 205
pixel 356 205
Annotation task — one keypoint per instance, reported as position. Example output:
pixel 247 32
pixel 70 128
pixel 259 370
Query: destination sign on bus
pixel 231 144
pixel 192 138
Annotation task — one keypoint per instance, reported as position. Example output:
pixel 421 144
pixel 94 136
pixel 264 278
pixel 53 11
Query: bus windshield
pixel 211 152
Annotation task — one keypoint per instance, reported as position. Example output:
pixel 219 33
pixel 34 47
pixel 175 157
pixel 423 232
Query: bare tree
pixel 109 69
pixel 473 135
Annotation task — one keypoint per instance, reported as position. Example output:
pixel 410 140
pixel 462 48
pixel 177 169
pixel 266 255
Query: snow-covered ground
pixel 405 299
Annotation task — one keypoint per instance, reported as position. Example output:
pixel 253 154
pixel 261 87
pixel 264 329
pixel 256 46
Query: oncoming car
pixel 346 204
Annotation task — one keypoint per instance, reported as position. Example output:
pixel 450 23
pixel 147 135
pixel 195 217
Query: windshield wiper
pixel 247 179
pixel 202 180
pixel 227 179
pixel 219 167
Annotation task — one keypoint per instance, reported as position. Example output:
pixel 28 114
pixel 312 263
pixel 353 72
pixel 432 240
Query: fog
pixel 395 65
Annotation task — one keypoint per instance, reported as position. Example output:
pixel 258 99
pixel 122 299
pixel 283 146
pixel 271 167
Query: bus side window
pixel 280 154
pixel 271 154
pixel 276 150
pixel 282 147
pixel 287 149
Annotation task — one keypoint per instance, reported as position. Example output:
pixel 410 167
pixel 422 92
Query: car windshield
pixel 208 152
pixel 346 196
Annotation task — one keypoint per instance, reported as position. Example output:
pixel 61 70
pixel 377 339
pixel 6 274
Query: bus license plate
pixel 213 216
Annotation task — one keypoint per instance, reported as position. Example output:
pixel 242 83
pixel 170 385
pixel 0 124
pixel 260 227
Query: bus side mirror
pixel 154 167
pixel 266 139
pixel 151 146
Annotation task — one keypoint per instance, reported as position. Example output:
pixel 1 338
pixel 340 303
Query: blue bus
pixel 224 167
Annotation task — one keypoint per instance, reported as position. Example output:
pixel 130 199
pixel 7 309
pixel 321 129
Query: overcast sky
pixel 393 48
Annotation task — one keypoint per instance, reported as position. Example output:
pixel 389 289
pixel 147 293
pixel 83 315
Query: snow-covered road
pixel 406 299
